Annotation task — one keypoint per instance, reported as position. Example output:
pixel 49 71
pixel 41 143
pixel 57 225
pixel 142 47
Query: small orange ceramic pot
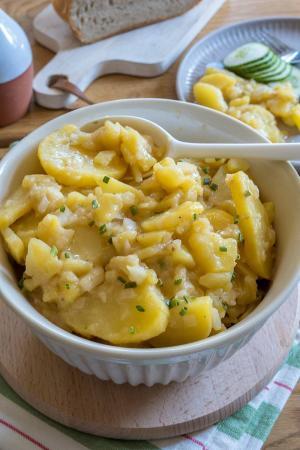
pixel 16 71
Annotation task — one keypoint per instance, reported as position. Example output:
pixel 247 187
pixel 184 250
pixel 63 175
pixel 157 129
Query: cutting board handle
pixel 81 73
pixel 75 71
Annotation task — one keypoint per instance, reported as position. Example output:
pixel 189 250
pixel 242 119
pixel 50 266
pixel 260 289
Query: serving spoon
pixel 179 149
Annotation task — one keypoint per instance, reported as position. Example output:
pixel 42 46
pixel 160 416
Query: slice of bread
pixel 92 20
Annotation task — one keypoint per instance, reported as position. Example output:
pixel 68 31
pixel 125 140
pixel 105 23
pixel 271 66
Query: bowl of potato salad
pixel 136 267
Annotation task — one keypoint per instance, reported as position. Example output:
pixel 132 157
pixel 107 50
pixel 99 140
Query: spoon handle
pixel 281 152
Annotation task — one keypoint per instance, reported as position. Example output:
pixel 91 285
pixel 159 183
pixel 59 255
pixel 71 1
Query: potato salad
pixel 117 242
pixel 263 107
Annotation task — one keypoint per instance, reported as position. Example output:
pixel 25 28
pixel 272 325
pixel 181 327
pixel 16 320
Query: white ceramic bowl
pixel 278 182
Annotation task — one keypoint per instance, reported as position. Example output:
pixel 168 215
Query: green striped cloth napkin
pixel 24 428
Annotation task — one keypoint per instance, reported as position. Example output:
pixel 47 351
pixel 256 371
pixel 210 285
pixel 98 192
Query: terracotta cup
pixel 16 71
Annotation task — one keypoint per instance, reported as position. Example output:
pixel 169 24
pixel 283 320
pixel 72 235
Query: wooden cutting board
pixel 121 411
pixel 147 52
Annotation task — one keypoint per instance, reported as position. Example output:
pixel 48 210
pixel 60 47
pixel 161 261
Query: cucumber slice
pixel 273 71
pixel 294 79
pixel 265 62
pixel 273 62
pixel 245 54
pixel 277 67
pixel 282 76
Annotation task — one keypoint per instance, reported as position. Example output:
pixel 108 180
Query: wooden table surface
pixel 286 433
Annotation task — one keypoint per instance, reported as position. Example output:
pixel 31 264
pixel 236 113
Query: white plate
pixel 216 45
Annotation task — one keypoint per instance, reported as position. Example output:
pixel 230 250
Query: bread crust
pixel 63 7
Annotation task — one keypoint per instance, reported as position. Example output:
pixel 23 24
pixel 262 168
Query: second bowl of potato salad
pixel 130 261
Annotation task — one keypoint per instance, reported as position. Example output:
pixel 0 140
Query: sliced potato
pixel 76 265
pixel 136 150
pixel 213 253
pixel 153 238
pixel 50 231
pixel 254 223
pixel 108 137
pixel 114 186
pixel 14 245
pixel 26 227
pixel 110 208
pixel 168 174
pixel 16 206
pixel 188 322
pixel 211 96
pixel 222 80
pixel 89 245
pixel 44 192
pixel 72 165
pixel 235 164
pixel 62 289
pixel 173 218
pixel 180 254
pixel 124 318
pixel 41 263
pixel 218 218
pixel 216 280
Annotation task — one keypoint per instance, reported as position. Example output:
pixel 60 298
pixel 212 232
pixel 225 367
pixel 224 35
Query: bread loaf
pixel 92 20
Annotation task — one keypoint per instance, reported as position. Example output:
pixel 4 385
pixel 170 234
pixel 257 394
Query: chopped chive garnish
pixel 95 204
pixel 131 330
pixel 102 229
pixel 133 210
pixel 62 209
pixel 67 286
pixel 233 276
pixel 173 302
pixel 194 216
pixel 206 181
pixel 236 218
pixel 213 186
pixel 106 179
pixel 178 281
pixel 205 170
pixel 122 280
pixel 238 257
pixel 67 255
pixel 109 240
pixel 91 223
pixel 185 299
pixel 159 283
pixel 140 308
pixel 130 284
pixel 183 311
pixel 21 282
pixel 247 193
pixel 222 248
pixel 53 251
